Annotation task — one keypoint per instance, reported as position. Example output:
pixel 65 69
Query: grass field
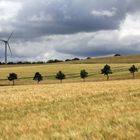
pixel 90 111
pixel 72 72
pixel 96 109
pixel 110 59
pixel 119 66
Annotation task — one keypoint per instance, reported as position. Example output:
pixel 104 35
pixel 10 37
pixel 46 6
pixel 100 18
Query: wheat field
pixel 71 111
pixel 72 71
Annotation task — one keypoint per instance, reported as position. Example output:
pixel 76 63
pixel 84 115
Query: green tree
pixel 106 71
pixel 60 76
pixel 12 77
pixel 132 70
pixel 38 77
pixel 83 74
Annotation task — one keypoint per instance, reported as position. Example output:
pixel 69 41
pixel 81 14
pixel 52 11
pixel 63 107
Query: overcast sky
pixel 49 29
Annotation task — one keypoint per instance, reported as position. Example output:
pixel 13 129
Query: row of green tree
pixel 83 74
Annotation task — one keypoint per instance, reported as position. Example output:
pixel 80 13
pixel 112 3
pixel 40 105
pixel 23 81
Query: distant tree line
pixel 43 62
pixel 106 70
pixel 40 62
pixel 49 61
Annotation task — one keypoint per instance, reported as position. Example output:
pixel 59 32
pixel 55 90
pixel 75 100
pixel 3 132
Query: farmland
pixel 95 109
pixel 90 110
pixel 72 72
pixel 110 59
pixel 119 66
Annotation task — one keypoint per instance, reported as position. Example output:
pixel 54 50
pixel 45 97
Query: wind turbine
pixel 7 45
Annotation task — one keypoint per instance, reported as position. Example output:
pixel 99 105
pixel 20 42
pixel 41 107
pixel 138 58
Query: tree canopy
pixel 133 69
pixel 106 71
pixel 38 77
pixel 83 74
pixel 12 77
pixel 60 76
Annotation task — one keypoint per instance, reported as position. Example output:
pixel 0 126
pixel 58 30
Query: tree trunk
pixel 107 77
pixel 83 79
pixel 133 75
pixel 13 82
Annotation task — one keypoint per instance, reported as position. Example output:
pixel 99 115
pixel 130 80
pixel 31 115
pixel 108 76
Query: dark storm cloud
pixel 45 29
pixel 133 6
pixel 99 44
pixel 44 17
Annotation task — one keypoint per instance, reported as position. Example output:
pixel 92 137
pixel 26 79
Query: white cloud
pixel 107 13
pixel 8 12
pixel 131 26
pixel 41 18
pixel 49 29
pixel 9 9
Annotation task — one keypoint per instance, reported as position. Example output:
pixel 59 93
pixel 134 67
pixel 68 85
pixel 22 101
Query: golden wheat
pixel 92 110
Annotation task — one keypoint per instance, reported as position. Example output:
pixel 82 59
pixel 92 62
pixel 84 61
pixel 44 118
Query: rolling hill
pixel 93 66
pixel 111 59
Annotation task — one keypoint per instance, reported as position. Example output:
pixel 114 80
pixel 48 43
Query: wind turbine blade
pixel 9 48
pixel 10 36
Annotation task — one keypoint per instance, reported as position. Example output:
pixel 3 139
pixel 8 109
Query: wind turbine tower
pixel 6 42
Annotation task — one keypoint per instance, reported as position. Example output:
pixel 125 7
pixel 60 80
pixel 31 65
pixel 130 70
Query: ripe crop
pixel 91 110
